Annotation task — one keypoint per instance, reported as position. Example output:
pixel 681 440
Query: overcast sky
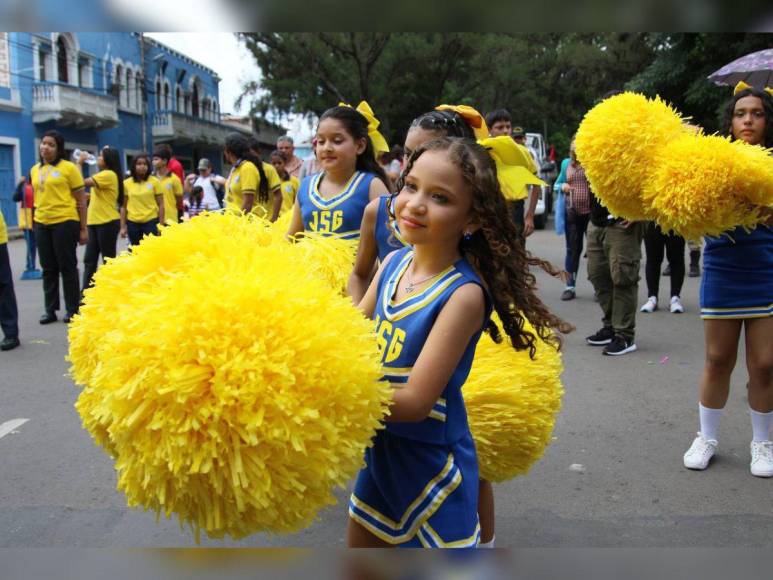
pixel 233 63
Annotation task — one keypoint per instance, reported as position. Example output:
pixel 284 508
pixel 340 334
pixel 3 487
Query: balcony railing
pixel 76 106
pixel 182 129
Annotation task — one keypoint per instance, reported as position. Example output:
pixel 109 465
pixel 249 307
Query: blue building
pixel 119 89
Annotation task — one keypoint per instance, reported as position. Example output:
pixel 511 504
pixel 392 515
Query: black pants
pixel 9 313
pixel 103 239
pixel 138 230
pixel 576 228
pixel 655 241
pixel 56 247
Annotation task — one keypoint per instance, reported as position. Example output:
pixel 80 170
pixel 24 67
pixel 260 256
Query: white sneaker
pixel 700 453
pixel 676 305
pixel 651 305
pixel 762 458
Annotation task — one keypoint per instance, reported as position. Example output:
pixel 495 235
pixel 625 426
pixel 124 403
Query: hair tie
pixel 742 86
pixel 376 138
pixel 471 116
pixel 512 165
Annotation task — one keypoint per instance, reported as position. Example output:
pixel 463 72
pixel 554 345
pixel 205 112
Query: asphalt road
pixel 625 420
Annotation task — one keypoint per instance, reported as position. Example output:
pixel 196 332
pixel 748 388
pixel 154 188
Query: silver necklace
pixel 411 286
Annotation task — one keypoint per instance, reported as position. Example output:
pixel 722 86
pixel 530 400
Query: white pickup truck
pixel 535 142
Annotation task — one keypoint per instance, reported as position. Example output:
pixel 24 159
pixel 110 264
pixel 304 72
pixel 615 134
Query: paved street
pixel 626 421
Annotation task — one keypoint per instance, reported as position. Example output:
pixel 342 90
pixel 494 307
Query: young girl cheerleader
pixel 431 301
pixel 290 183
pixel 333 201
pixel 737 293
pixel 60 224
pixel 379 237
pixel 104 221
pixel 143 202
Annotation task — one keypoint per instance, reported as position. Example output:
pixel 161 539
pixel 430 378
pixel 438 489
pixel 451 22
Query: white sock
pixel 489 544
pixel 709 421
pixel 761 425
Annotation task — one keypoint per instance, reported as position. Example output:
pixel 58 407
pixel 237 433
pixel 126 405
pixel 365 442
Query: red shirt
pixel 176 168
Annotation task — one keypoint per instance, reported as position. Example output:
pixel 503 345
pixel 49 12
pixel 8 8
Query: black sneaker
pixel 695 271
pixel 568 294
pixel 667 270
pixel 619 346
pixel 9 343
pixel 602 337
pixel 48 318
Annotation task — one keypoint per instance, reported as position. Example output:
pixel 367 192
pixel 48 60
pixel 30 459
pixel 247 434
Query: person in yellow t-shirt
pixel 104 221
pixel 272 206
pixel 143 202
pixel 170 185
pixel 9 313
pixel 290 183
pixel 60 224
pixel 247 186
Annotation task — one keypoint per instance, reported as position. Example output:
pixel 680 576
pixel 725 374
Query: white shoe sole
pixel 622 352
pixel 598 342
pixel 647 310
pixel 762 473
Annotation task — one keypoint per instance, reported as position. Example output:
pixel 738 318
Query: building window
pixel 129 85
pixel 119 78
pixel 195 101
pixel 158 95
pixel 138 90
pixel 179 105
pixel 166 96
pixel 42 56
pixel 61 60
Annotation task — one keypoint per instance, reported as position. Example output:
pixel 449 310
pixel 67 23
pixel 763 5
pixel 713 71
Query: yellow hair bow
pixel 471 116
pixel 742 86
pixel 514 164
pixel 377 139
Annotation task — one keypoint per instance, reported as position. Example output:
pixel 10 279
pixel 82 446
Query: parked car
pixel 535 143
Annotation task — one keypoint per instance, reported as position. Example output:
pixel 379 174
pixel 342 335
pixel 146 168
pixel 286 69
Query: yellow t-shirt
pixel 171 188
pixel 289 191
pixel 3 230
pixel 103 201
pixel 54 186
pixel 274 182
pixel 141 206
pixel 244 178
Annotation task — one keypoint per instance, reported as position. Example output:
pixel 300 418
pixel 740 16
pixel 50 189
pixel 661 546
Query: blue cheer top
pixel 388 238
pixel 402 329
pixel 340 215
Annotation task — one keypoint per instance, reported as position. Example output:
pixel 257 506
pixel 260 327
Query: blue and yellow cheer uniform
pixel 388 238
pixel 738 275
pixel 420 483
pixel 340 215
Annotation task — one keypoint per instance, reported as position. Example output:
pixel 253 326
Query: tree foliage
pixel 547 81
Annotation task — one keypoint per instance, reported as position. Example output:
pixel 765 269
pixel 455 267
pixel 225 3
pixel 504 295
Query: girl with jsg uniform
pixel 431 301
pixel 332 202
pixel 737 294
pixel 103 219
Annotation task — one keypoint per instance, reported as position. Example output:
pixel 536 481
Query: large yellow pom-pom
pixel 616 144
pixel 232 387
pixel 512 402
pixel 705 185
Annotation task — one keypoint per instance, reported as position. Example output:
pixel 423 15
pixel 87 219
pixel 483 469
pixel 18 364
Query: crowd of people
pixel 440 250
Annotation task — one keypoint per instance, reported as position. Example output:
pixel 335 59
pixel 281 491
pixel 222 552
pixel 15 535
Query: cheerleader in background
pixel 272 207
pixel 333 201
pixel 737 294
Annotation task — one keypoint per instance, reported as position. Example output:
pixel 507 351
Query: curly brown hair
pixel 493 250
